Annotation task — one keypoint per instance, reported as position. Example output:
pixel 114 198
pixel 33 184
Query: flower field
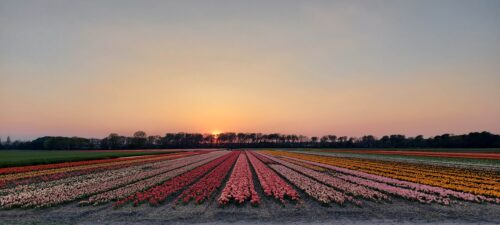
pixel 242 178
pixel 424 183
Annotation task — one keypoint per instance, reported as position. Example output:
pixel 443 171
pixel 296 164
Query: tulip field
pixel 257 181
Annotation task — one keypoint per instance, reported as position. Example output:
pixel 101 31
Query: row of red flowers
pixel 207 185
pixel 146 182
pixel 158 194
pixel 272 184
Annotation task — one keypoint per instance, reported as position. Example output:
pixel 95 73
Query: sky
pixel 89 68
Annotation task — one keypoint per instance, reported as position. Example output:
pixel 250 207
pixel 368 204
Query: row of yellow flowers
pixel 388 167
pixel 419 175
pixel 487 177
pixel 491 183
pixel 481 176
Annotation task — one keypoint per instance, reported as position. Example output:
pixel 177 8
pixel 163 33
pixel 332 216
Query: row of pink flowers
pixel 337 183
pixel 316 190
pixel 263 159
pixel 272 184
pixel 159 193
pixel 65 190
pixel 240 185
pixel 402 192
pixel 50 193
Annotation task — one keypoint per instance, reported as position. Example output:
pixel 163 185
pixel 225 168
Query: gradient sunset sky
pixel 89 68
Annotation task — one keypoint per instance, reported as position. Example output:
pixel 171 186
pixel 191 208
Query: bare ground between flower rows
pixel 269 212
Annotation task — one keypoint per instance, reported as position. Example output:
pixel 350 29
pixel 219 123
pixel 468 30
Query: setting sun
pixel 216 132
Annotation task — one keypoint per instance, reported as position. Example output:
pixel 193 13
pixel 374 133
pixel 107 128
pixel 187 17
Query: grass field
pixel 34 157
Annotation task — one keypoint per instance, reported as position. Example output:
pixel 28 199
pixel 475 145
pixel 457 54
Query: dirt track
pixel 269 212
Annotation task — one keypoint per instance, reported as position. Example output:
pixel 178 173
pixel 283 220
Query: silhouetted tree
pixel 419 141
pixel 114 141
pixel 7 143
pixel 139 140
pixel 332 138
pixel 342 141
pixel 228 138
pixel 153 141
pixel 397 140
pixel 368 141
pixel 242 137
pixel 209 139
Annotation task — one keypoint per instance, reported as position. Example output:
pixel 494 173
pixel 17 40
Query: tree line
pixel 140 140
